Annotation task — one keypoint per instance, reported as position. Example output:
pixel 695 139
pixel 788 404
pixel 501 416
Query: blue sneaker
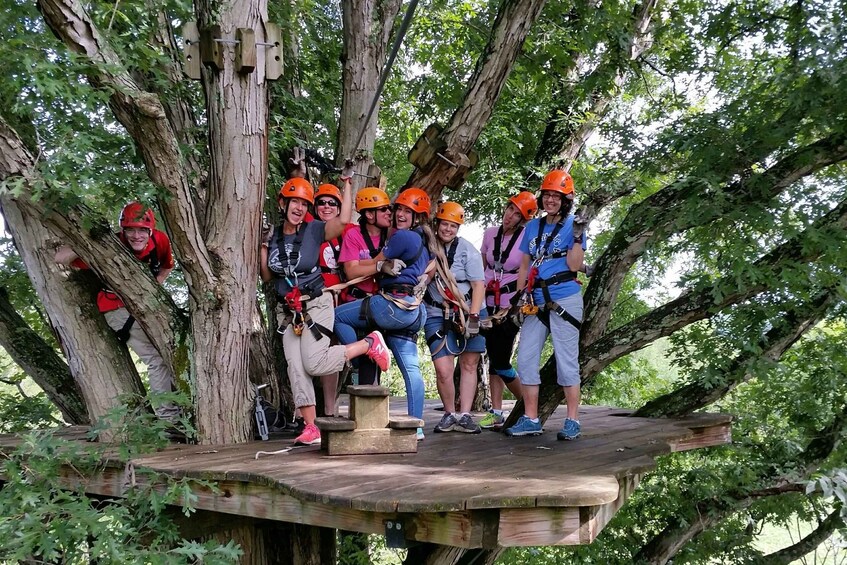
pixel 571 430
pixel 524 427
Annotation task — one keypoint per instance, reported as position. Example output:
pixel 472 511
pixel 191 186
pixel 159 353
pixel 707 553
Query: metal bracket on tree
pixel 206 46
pixel 430 147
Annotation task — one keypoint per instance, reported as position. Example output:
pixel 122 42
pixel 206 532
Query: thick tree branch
pixel 706 513
pixel 672 210
pixel 102 368
pixel 145 119
pixel 514 20
pixel 810 542
pixel 564 139
pixel 699 304
pixel 39 360
pixel 785 333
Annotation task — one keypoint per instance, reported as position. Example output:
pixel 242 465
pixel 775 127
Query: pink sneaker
pixel 311 436
pixel 379 351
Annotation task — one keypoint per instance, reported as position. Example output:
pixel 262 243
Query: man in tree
pixel 152 247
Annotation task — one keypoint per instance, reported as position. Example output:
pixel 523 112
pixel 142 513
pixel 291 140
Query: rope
pixel 407 19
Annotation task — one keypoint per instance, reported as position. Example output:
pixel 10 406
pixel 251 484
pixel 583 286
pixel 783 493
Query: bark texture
pixel 511 26
pixel 39 360
pixel 102 368
pixel 367 29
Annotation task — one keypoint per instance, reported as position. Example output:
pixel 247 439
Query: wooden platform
pixel 463 490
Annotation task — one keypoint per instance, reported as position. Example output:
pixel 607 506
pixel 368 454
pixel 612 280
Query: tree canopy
pixel 707 140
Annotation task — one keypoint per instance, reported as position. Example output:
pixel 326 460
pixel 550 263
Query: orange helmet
pixel 558 181
pixel 298 188
pixel 526 203
pixel 328 190
pixel 416 200
pixel 452 212
pixel 136 215
pixel 371 197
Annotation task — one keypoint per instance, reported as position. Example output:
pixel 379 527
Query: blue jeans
pixel 389 318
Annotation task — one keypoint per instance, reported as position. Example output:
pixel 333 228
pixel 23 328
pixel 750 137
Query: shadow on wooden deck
pixel 462 490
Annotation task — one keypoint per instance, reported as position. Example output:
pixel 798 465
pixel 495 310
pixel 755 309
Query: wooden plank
pixel 245 50
pixel 191 50
pixel 704 437
pixel 601 515
pixel 366 442
pixel 369 412
pixel 273 53
pixel 522 527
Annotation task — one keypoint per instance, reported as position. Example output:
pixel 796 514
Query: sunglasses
pixel 382 209
pixel 332 203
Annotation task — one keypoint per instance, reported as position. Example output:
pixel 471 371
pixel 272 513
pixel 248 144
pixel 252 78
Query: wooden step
pixel 335 424
pixel 405 423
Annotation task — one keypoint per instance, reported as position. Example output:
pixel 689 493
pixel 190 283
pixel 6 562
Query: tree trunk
pixel 367 28
pixel 39 360
pixel 101 367
pixel 222 305
pixel 514 20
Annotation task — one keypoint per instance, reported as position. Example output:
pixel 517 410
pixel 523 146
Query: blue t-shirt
pixel 408 246
pixel 551 266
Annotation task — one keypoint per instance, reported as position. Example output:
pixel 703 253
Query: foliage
pixel 52 524
pixel 727 91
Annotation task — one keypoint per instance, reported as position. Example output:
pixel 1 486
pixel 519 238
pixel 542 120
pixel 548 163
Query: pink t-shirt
pixel 511 264
pixel 354 248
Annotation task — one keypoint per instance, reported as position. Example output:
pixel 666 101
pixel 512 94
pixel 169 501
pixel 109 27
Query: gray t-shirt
pixel 466 267
pixel 297 267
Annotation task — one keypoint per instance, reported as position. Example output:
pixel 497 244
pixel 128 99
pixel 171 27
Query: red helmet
pixel 298 188
pixel 558 181
pixel 136 215
pixel 416 200
pixel 452 212
pixel 328 190
pixel 526 203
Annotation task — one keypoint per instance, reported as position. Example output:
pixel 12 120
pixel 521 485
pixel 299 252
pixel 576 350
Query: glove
pixel 589 270
pixel 347 172
pixel 391 267
pixel 473 325
pixel 580 221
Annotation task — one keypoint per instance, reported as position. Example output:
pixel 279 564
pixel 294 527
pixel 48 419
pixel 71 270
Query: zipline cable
pixel 407 19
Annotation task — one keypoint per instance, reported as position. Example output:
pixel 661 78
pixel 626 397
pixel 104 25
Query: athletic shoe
pixel 524 427
pixel 467 425
pixel 448 421
pixel 571 430
pixel 420 434
pixel 378 351
pixel 491 420
pixel 311 436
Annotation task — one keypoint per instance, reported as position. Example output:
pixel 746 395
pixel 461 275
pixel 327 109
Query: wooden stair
pixel 368 430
